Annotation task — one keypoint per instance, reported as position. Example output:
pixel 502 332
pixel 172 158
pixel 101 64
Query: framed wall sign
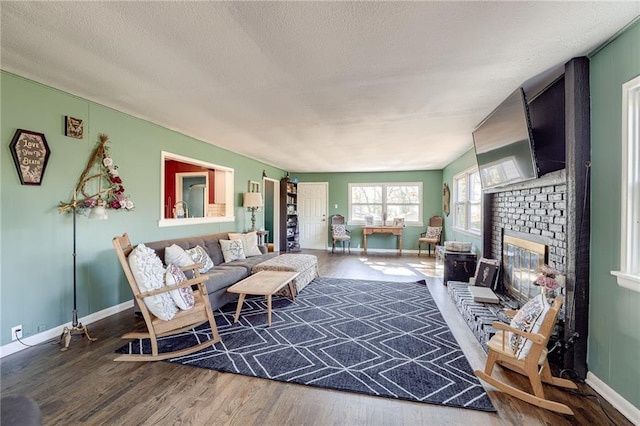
pixel 73 127
pixel 30 154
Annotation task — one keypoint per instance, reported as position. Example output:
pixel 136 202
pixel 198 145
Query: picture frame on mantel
pixel 30 153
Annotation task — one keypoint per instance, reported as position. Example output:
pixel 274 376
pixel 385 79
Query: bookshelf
pixel 289 231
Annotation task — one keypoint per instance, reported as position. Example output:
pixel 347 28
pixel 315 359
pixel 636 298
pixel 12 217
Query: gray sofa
pixel 223 274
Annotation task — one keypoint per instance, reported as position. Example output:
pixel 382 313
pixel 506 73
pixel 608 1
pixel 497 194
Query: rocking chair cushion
pixel 148 272
pixel 529 318
pixel 183 296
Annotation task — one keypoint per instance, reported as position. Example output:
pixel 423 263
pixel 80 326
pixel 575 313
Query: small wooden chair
pixel 182 321
pixel 535 365
pixel 432 235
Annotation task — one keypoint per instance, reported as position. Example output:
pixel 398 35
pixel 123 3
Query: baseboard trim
pixel 625 407
pixel 56 332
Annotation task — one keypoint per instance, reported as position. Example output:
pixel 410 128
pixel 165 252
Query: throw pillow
pixel 183 297
pixel 148 272
pixel 232 250
pixel 176 255
pixel 433 232
pixel 249 243
pixel 199 255
pixel 529 318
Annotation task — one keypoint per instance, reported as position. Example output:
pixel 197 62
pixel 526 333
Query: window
pixel 385 200
pixel 467 201
pixel 194 191
pixel 629 274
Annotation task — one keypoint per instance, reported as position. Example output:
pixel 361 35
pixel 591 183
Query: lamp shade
pixel 99 212
pixel 252 199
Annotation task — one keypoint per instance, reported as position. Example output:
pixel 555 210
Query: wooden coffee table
pixel 263 283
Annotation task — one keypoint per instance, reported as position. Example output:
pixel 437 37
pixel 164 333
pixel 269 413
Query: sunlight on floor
pixel 388 268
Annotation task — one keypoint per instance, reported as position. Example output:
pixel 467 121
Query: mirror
pixel 195 191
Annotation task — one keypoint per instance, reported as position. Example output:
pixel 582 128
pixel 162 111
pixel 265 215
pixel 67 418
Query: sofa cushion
pixel 148 272
pixel 249 243
pixel 224 276
pixel 183 297
pixel 232 250
pixel 199 255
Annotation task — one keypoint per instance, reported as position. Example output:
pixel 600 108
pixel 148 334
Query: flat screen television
pixel 504 145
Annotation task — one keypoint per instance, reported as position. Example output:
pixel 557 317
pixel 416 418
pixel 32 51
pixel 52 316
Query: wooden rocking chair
pixel 535 365
pixel 182 321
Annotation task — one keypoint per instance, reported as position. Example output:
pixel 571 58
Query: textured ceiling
pixel 306 86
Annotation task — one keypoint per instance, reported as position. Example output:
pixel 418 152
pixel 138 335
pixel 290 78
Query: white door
pixel 312 215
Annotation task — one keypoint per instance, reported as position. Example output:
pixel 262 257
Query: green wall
pixel 36 242
pixel 614 312
pixel 339 193
pixel 464 162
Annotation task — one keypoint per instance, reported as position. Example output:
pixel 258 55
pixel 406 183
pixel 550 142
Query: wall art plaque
pixel 30 154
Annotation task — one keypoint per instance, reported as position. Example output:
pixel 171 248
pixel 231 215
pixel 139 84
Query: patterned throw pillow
pixel 249 243
pixel 433 232
pixel 232 250
pixel 182 297
pixel 529 318
pixel 199 255
pixel 148 272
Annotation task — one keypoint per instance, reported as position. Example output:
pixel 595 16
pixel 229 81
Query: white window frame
pixel 384 185
pixel 466 228
pixel 629 274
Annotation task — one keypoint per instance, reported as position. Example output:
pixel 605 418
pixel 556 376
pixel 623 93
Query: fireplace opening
pixel 522 260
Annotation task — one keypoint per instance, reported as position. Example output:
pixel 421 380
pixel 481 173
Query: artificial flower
pixel 107 161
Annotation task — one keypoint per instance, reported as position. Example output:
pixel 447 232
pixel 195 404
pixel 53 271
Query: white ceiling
pixel 306 86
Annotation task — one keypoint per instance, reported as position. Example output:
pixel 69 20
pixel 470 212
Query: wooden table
pixel 263 283
pixel 395 230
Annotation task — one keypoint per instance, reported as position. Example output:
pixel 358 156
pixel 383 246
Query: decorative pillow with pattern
pixel 183 297
pixel 199 255
pixel 148 272
pixel 249 243
pixel 232 250
pixel 433 232
pixel 529 318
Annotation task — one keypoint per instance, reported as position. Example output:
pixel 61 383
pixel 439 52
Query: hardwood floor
pixel 85 385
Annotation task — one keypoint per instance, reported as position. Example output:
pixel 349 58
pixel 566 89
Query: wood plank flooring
pixel 85 386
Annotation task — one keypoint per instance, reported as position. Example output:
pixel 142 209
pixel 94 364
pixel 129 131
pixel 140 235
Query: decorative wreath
pixel 110 192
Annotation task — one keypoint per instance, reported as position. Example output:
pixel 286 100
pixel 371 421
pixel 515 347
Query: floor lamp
pixel 98 212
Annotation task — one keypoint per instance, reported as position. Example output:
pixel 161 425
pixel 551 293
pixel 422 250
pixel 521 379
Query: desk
pixel 395 230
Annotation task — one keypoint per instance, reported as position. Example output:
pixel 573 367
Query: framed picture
pixel 368 221
pixel 487 274
pixel 398 222
pixel 73 127
pixel 254 186
pixel 30 153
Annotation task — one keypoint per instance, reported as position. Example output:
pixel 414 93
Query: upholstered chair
pixel 339 233
pixel 432 235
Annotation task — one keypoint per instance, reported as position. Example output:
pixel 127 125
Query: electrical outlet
pixel 16 332
pixel 42 327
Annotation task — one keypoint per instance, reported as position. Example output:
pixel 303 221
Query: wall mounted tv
pixel 503 144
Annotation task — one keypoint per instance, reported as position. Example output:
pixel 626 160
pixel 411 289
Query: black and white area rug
pixel 371 337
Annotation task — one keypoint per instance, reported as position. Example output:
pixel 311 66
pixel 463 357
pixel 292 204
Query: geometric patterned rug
pixel 371 337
